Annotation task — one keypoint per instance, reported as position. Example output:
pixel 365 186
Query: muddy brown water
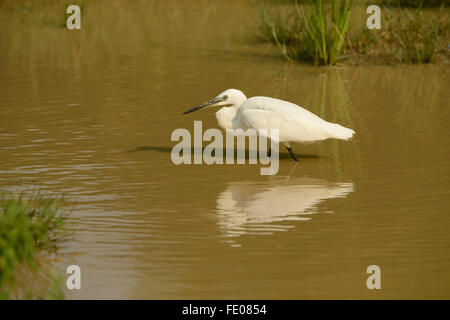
pixel 89 114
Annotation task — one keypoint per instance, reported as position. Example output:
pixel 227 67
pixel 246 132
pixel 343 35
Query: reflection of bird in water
pixel 253 207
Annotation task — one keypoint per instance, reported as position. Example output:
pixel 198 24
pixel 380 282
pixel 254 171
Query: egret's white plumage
pixel 295 124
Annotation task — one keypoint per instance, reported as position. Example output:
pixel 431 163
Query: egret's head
pixel 228 98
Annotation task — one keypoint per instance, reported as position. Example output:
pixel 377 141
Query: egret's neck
pixel 225 116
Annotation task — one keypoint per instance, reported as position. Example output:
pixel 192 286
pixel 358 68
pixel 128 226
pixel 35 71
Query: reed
pixel 314 33
pixel 327 36
pixel 413 3
pixel 408 36
pixel 27 225
pixel 318 33
pixel 417 38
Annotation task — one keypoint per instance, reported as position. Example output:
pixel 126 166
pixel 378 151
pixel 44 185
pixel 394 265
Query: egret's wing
pixel 294 122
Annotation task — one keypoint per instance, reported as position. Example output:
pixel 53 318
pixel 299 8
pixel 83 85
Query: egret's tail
pixel 337 131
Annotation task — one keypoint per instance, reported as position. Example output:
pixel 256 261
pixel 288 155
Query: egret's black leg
pixel 292 153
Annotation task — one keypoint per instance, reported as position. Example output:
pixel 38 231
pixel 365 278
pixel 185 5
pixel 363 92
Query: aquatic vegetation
pixel 278 28
pixel 27 225
pixel 327 37
pixel 413 3
pixel 313 33
pixel 417 38
pixel 407 37
pixel 288 33
pixel 391 3
pixel 306 34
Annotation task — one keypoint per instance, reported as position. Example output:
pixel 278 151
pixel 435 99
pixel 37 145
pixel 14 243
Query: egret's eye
pixel 225 97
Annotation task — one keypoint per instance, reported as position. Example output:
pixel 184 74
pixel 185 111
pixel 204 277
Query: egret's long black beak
pixel 210 102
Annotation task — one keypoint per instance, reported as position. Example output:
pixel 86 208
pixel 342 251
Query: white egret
pixel 295 124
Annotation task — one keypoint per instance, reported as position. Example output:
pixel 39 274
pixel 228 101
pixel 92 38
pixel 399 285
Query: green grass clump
pixel 327 37
pixel 413 3
pixel 314 33
pixel 317 33
pixel 27 224
pixel 417 38
pixel 287 32
pixel 406 36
